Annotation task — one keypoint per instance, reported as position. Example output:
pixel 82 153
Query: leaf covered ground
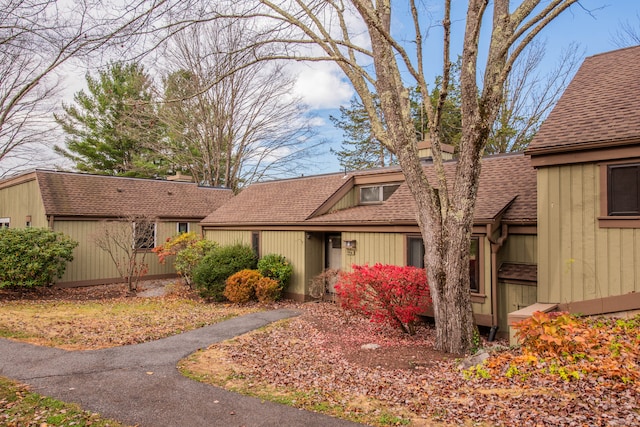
pixel 21 408
pixel 105 316
pixel 317 360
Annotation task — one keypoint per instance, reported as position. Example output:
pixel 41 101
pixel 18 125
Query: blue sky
pixel 593 31
pixel 324 89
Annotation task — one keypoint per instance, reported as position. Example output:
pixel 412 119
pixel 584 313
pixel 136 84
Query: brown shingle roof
pixel 506 181
pixel 76 194
pixel 278 202
pixel 601 106
pixel 518 272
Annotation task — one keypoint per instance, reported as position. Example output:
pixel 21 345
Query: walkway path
pixel 140 384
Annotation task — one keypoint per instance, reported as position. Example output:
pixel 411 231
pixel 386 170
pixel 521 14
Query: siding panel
pixel 290 244
pixel 578 260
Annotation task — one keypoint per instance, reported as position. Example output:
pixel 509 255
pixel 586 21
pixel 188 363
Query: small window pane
pixel 474 270
pixel 624 190
pixel 144 235
pixel 415 255
pixel 388 190
pixel 255 243
pixel 369 194
pixel 183 227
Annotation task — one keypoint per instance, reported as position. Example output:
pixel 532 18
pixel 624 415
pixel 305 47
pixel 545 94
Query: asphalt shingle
pixel 601 105
pixel 77 194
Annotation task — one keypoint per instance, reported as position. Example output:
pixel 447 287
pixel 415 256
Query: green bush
pixel 240 287
pixel 268 290
pixel 220 263
pixel 277 268
pixel 33 256
pixel 188 258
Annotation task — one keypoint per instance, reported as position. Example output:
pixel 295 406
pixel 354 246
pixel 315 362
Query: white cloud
pixel 322 85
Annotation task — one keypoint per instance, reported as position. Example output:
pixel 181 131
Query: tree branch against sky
pixel 38 37
pixel 360 37
pixel 232 120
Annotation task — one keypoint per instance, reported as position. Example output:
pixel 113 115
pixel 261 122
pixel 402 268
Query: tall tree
pixel 360 149
pixel 231 121
pixel 360 37
pixel 110 126
pixel 529 95
pixel 36 37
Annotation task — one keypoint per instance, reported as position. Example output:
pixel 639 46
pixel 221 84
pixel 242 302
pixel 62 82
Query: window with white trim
pixel 144 235
pixel 5 222
pixel 183 227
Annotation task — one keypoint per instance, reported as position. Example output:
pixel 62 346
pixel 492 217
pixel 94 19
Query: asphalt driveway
pixel 140 384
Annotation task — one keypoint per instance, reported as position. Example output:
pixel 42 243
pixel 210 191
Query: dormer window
pixel 376 193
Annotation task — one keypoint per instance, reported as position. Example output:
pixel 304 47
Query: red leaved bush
pixel 386 293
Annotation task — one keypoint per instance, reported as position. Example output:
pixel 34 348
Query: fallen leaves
pixel 318 360
pixel 93 324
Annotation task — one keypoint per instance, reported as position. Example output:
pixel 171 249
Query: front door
pixel 333 256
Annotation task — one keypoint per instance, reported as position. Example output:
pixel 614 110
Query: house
pixel 337 220
pixel 587 158
pixel 556 228
pixel 78 204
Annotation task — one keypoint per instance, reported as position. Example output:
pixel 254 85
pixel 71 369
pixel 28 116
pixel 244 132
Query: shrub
pixel 33 256
pixel 319 284
pixel 386 293
pixel 276 267
pixel 268 290
pixel 240 287
pixel 562 346
pixel 211 273
pixel 188 249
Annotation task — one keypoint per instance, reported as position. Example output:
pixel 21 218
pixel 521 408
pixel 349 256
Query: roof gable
pixel 77 194
pixel 507 187
pixel 279 202
pixel 599 108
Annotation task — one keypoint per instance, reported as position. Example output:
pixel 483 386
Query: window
pixel 183 227
pixel 623 190
pixel 474 265
pixel 415 257
pixel 415 251
pixel 4 222
pixel 255 243
pixel 377 193
pixel 144 235
pixel 620 194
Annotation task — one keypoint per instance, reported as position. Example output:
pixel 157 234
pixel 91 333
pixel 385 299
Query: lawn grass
pixel 87 325
pixel 20 407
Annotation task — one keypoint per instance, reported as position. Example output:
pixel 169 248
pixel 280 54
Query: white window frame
pixel 5 222
pixel 183 222
pixel 135 239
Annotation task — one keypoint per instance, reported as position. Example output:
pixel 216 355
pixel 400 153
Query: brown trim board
pixel 614 304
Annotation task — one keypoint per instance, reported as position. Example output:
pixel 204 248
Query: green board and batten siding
pixel 92 263
pixel 518 249
pixel 372 248
pixel 579 260
pixel 291 245
pixel 228 237
pixel 19 201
